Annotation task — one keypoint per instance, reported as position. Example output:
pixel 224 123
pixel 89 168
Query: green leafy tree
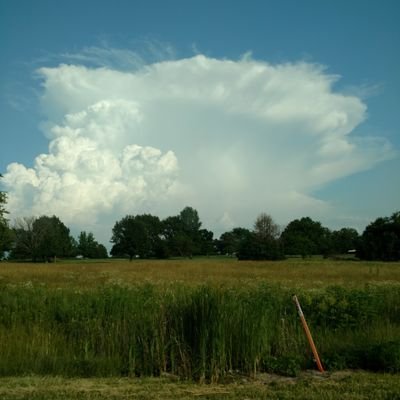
pixel 27 240
pixel 56 240
pixel 191 229
pixel 44 238
pixel 206 242
pixel 263 243
pixel 137 236
pixel 190 221
pixel 88 247
pixel 265 227
pixel 6 235
pixel 74 247
pixel 127 236
pixel 175 239
pixel 182 233
pixel 6 238
pixel 344 240
pixel 230 242
pixel 306 237
pixel 253 247
pixel 190 234
pixel 153 246
pixel 101 251
pixel 381 239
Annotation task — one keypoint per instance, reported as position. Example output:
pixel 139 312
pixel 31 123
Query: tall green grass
pixel 203 332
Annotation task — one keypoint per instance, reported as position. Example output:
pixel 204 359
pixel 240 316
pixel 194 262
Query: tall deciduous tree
pixel 306 237
pixel 136 236
pixel 190 233
pixel 206 242
pixel 173 236
pixel 263 243
pixel 6 236
pixel 230 242
pixel 44 238
pixel 190 221
pixel 344 239
pixel 88 247
pixel 27 239
pixel 183 235
pixel 381 239
pixel 55 237
pixel 265 227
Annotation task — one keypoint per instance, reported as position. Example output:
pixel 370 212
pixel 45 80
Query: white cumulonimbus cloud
pixel 230 138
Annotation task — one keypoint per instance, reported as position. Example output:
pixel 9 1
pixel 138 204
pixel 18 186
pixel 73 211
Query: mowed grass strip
pixel 311 273
pixel 341 385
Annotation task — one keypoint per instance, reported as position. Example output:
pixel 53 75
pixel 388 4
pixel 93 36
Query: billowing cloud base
pixel 231 138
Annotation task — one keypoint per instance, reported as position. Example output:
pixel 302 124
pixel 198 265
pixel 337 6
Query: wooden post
pixel 308 334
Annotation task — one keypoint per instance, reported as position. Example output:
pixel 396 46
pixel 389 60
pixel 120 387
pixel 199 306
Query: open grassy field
pixel 118 323
pixel 309 273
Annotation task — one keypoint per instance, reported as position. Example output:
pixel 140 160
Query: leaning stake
pixel 308 334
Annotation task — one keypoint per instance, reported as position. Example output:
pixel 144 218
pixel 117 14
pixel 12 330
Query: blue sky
pixel 357 41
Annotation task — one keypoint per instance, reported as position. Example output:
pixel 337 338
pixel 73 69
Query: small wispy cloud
pixel 108 56
pixel 364 91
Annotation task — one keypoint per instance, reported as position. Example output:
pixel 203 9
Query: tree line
pixel 46 238
pixel 305 237
pixel 147 236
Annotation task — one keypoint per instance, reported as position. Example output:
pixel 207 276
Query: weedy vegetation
pixel 202 320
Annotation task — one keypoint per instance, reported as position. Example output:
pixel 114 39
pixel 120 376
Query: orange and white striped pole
pixel 308 334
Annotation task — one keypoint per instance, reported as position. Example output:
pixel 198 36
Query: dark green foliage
pixel 265 227
pixel 183 233
pixel 263 243
pixel 181 240
pixel 42 239
pixel 55 240
pixel 206 242
pixel 183 237
pixel 195 332
pixel 254 247
pixel 383 357
pixel 372 356
pixel 338 307
pixel 381 240
pixel 190 221
pixel 287 365
pixel 230 242
pixel 344 240
pixel 306 237
pixel 101 251
pixel 88 247
pixel 6 235
pixel 136 236
pixel 146 236
pixel 175 239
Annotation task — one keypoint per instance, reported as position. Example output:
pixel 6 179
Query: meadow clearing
pixel 155 326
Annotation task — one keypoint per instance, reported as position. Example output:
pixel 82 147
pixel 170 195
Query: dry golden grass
pixel 312 273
